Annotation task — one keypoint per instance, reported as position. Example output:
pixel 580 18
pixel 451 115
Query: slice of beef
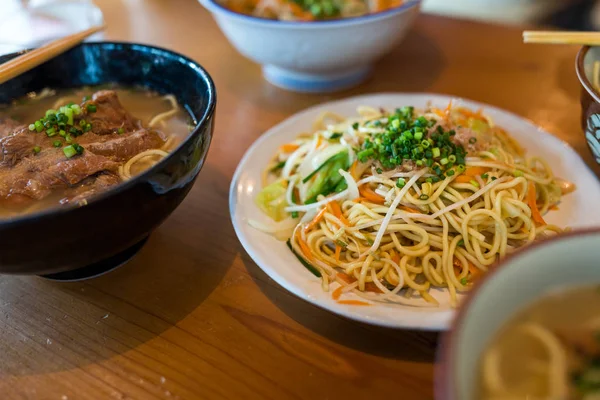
pixel 15 147
pixel 8 126
pixel 109 115
pixel 37 175
pixel 92 186
pixel 124 147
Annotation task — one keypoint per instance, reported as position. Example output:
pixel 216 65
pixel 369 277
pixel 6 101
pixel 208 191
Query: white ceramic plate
pixel 578 209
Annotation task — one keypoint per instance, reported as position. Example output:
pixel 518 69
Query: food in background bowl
pixel 309 10
pixel 530 327
pixel 391 204
pixel 68 152
pixel 588 71
pixel 549 350
pixel 320 56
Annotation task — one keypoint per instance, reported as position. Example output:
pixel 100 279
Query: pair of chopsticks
pixel 558 37
pixel 32 59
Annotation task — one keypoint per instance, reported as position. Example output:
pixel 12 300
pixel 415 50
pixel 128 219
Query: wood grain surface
pixel 192 317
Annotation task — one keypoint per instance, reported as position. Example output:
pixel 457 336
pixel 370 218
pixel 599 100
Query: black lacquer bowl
pixel 113 224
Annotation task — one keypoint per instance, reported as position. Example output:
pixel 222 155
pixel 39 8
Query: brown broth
pixel 140 103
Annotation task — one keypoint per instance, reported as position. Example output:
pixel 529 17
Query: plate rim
pixel 429 325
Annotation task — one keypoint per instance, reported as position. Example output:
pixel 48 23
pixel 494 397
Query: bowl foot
pixel 315 83
pixel 98 268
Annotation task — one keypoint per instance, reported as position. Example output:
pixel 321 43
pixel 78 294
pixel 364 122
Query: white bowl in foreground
pixel 566 260
pixel 316 56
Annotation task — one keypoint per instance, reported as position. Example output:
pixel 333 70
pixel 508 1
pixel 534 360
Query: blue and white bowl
pixel 316 56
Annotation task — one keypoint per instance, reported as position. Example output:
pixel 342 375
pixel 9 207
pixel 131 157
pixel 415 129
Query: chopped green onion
pixel 333 136
pixel 444 161
pixel 450 172
pixel 62 133
pixel 494 178
pixel 473 140
pixel 86 98
pixel 32 127
pixel 37 149
pixel 68 138
pixel 418 135
pixel 436 152
pixel 464 281
pixel 120 131
pixel 400 182
pixel 69 151
pixel 484 176
pixel 474 183
pixel 429 180
pixel 518 173
pixel 82 123
pixel 78 148
pixel 77 110
pixel 87 128
pixel 425 144
pixel 424 197
pixel 50 112
pixel 379 170
pixel 461 168
pixel 56 143
pixel 460 243
pixel 38 126
pixel 452 158
pixel 69 114
pixel 355 126
pixel 341 243
pixel 51 132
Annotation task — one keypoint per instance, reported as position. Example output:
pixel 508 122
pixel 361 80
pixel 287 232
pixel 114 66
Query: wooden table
pixel 192 316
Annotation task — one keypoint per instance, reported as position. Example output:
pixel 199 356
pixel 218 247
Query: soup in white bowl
pixel 529 330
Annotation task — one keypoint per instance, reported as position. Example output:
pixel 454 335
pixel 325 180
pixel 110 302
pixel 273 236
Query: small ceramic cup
pixel 570 259
pixel 588 72
pixel 316 56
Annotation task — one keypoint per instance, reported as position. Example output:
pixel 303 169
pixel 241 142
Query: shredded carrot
pixel 447 110
pixel 471 173
pixel 532 202
pixel 370 195
pixel 396 258
pixel 289 147
pixel 353 169
pixel 553 207
pixel 337 293
pixel 346 278
pixel 315 220
pixel 410 209
pixel 354 302
pixel 438 112
pixel 371 287
pixel 474 171
pixel 338 250
pixel 475 272
pixel 337 211
pixel 463 179
pixel 304 247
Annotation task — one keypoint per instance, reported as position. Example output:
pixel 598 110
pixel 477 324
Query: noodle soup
pixel 64 147
pixel 551 350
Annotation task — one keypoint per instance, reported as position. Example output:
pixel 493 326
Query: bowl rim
pixel 580 70
pixel 444 383
pixel 214 7
pixel 121 187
